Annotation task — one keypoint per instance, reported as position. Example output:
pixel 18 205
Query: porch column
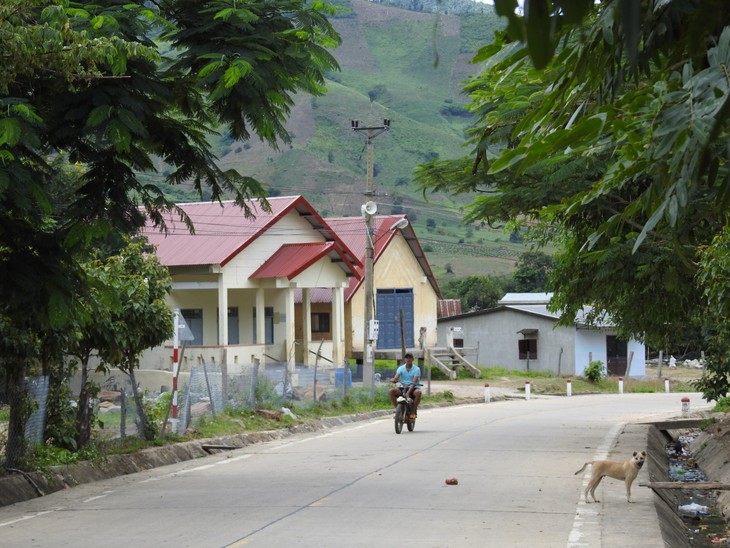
pixel 307 358
pixel 338 326
pixel 222 311
pixel 290 334
pixel 260 317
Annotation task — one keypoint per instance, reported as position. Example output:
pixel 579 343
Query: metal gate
pixel 389 303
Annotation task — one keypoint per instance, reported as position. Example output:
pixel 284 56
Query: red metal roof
pixel 291 259
pixel 222 231
pixel 351 230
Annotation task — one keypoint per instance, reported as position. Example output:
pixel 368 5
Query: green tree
pixel 139 319
pixel 613 146
pixel 532 272
pixel 116 90
pixel 714 278
pixel 90 335
pixel 60 424
pixel 475 292
pixel 19 348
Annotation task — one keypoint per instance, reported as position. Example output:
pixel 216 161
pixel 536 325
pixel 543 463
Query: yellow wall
pixel 395 268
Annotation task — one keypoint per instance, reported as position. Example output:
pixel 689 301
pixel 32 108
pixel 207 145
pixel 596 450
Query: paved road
pixel 363 485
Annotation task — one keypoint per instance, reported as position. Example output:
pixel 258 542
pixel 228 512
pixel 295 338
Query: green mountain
pixel 407 66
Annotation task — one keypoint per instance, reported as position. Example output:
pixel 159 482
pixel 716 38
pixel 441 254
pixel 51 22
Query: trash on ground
pixel 694 509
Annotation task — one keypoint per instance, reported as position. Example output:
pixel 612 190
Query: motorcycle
pixel 403 412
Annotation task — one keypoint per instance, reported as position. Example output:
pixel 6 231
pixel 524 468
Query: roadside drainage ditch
pixel 697 507
pixel 688 516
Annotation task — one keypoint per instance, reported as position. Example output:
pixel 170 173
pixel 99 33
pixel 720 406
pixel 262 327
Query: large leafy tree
pixel 114 88
pixel 604 127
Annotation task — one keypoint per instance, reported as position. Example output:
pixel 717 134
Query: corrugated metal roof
pixel 351 230
pixel 526 298
pixel 537 310
pixel 291 259
pixel 222 231
pixel 316 295
pixel 449 307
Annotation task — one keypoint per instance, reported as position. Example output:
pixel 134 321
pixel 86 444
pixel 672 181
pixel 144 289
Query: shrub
pixel 722 405
pixel 595 371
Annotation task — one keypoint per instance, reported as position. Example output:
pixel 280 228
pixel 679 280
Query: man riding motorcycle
pixel 409 376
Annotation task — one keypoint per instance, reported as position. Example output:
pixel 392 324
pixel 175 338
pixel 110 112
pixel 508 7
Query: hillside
pixel 407 66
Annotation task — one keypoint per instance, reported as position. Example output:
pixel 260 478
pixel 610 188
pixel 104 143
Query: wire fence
pixel 208 390
pixel 211 389
pixel 37 388
pixel 35 395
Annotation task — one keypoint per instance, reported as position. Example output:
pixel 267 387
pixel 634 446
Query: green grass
pixel 542 382
pixel 492 373
pixel 722 405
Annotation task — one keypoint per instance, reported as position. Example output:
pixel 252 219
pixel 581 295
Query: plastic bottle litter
pixel 693 509
pixel 288 412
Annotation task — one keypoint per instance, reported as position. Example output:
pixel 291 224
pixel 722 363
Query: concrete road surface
pixel 363 485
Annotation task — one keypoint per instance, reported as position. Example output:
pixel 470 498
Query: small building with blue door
pixel 403 285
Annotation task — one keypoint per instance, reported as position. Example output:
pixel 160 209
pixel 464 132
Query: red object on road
pixel 452 481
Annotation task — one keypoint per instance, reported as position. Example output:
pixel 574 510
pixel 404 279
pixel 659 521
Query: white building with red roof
pixel 287 285
pixel 235 279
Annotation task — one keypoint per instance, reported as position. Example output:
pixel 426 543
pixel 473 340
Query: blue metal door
pixel 388 304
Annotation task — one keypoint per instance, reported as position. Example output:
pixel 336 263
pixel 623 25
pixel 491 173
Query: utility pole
pixel 369 209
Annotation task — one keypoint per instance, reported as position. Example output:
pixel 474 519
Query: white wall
pixel 589 345
pixel 495 334
pixel 638 360
pixel 593 342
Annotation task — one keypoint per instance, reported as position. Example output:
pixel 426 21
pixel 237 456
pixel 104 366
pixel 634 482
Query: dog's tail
pixel 584 467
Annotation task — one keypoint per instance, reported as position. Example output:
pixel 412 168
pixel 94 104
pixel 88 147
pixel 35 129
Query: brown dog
pixel 627 471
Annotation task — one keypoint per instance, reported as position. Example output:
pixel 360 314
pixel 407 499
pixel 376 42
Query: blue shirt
pixel 408 377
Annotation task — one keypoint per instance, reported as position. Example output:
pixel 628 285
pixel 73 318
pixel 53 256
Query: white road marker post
pixel 666 385
pixel 568 388
pixel 620 385
pixel 487 394
pixel 527 390
pixel 685 406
